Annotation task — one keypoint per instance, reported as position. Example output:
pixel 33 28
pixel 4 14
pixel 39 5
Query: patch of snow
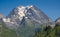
pixel 6 20
pixel 26 17
pixel 29 6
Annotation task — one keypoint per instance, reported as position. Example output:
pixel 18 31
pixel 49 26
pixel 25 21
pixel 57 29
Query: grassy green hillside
pixel 5 32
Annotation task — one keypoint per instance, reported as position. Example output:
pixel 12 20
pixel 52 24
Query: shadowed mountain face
pixel 26 20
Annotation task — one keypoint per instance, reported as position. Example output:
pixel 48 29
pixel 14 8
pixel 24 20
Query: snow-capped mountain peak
pixel 30 13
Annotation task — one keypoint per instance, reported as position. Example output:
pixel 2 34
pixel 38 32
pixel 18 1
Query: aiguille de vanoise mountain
pixel 24 21
pixel 29 13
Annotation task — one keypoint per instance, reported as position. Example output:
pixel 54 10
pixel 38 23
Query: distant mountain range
pixel 25 20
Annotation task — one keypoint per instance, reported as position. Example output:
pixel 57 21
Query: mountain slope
pixel 49 32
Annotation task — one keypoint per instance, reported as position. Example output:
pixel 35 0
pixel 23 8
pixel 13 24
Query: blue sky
pixel 50 7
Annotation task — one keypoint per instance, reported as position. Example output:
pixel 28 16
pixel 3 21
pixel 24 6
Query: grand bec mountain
pixel 25 20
